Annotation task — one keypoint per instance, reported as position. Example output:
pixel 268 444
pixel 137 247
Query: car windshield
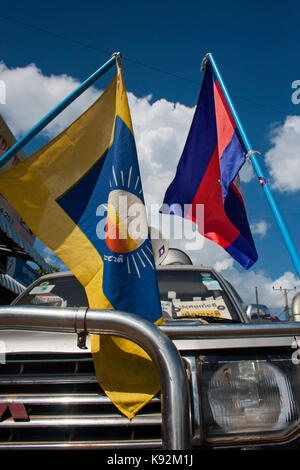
pixel 194 294
pixel 184 295
pixel 63 291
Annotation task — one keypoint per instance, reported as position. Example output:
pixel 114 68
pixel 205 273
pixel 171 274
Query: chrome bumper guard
pixel 176 420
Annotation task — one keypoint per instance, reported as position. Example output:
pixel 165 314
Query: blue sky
pixel 255 45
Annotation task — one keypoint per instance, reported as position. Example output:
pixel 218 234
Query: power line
pixel 141 64
pixel 285 294
pixel 52 33
pixel 96 48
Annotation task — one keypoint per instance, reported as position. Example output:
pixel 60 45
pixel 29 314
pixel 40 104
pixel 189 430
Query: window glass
pixel 194 294
pixel 56 292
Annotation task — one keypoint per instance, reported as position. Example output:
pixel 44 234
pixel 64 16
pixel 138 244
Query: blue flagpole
pixel 266 188
pixel 57 110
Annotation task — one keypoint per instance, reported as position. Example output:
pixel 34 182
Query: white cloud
pixel 283 158
pixel 160 129
pixel 223 265
pixel 260 228
pixel 245 283
pixel 30 95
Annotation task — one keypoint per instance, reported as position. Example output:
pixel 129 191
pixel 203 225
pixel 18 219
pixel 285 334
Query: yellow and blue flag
pixel 81 194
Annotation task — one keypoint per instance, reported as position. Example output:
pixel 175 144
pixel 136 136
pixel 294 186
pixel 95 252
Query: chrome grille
pixel 67 408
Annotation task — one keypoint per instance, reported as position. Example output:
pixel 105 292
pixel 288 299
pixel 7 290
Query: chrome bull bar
pixel 176 414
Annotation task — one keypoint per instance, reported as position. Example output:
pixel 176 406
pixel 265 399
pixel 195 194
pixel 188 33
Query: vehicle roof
pixel 174 267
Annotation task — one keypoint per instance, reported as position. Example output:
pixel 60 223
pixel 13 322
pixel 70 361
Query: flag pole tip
pixel 117 54
pixel 118 57
pixel 204 61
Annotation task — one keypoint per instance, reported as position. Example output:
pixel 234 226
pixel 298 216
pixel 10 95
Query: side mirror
pixel 256 313
pixel 296 307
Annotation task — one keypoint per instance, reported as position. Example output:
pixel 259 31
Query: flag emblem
pixel 162 251
pixel 262 180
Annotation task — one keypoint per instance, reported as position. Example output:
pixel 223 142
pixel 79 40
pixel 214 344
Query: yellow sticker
pixel 204 313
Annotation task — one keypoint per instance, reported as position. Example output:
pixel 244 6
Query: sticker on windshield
pixel 44 298
pixel 42 289
pixel 211 283
pixel 206 308
pixel 166 307
pixel 171 294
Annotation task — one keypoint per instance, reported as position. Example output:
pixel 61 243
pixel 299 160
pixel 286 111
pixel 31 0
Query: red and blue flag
pixel 207 174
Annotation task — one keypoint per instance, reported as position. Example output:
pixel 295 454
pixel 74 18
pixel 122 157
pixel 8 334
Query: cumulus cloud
pixel 30 95
pixel 283 158
pixel 260 228
pixel 160 129
pixel 245 283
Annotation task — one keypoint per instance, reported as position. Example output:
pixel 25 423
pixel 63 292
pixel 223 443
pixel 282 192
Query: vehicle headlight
pixel 250 400
pixel 248 396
